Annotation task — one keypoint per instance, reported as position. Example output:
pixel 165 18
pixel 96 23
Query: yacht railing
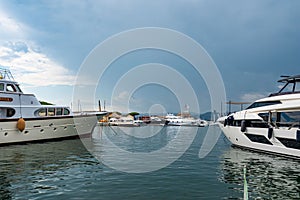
pixel 6 74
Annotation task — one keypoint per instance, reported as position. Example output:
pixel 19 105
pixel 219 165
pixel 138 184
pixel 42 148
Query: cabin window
pixel 264 116
pixel 289 119
pixel 263 103
pixel 58 111
pixel 10 88
pixel 66 111
pixel 10 112
pixel 1 86
pixel 258 139
pixel 42 112
pixel 283 119
pixel 51 111
pixel 250 123
pixel 290 116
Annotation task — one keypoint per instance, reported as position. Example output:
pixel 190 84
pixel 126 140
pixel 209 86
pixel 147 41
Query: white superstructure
pixel 271 124
pixel 24 119
pixel 172 120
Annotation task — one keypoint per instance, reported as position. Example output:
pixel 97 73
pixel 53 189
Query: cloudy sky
pixel 252 43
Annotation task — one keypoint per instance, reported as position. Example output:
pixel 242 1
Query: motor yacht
pixel 172 120
pixel 271 124
pixel 24 119
pixel 125 122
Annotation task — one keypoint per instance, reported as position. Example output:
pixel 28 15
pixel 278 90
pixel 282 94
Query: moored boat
pixel 24 119
pixel 172 120
pixel 271 124
pixel 125 122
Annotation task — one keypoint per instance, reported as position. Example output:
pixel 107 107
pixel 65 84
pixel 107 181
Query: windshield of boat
pixel 263 103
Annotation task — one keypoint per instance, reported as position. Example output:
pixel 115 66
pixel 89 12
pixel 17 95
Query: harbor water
pixel 67 170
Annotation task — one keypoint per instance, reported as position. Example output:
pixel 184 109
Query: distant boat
pixel 24 119
pixel 154 120
pixel 172 120
pixel 125 122
pixel 271 124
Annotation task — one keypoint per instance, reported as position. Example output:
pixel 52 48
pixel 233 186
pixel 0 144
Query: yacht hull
pixel 50 128
pixel 280 142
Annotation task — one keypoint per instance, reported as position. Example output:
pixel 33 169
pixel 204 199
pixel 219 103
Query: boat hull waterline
pixel 46 129
pixel 274 146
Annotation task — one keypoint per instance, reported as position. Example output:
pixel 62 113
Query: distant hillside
pixel 209 116
pixel 206 116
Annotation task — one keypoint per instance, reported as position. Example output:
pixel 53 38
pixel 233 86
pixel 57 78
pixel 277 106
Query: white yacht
pixel 172 120
pixel 24 119
pixel 271 124
pixel 125 122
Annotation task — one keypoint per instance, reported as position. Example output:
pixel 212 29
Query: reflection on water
pixel 66 170
pixel 33 169
pixel 269 177
pixel 120 149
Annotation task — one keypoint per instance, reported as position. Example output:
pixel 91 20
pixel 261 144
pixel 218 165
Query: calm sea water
pixel 67 170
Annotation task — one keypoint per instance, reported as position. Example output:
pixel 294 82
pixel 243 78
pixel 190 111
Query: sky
pixel 252 43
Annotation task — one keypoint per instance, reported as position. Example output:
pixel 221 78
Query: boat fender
pixel 243 126
pixel 21 124
pixel 270 132
pixel 298 136
pixel 225 122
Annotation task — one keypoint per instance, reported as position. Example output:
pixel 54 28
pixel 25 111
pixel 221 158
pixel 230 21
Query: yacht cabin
pixel 15 104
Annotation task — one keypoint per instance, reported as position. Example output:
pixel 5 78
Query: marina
pixel 167 120
pixel 66 169
pixel 158 100
pixel 89 165
pixel 188 175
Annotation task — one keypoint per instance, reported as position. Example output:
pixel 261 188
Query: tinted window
pixel 10 112
pixel 290 116
pixel 59 111
pixel 1 86
pixel 51 111
pixel 263 103
pixel 10 88
pixel 66 111
pixel 42 112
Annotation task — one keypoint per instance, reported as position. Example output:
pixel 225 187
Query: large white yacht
pixel 24 119
pixel 271 124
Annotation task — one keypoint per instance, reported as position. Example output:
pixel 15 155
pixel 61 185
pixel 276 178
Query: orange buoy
pixel 21 124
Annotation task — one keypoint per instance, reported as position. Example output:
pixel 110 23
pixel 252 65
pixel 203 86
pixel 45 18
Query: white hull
pixel 46 129
pixel 271 145
pixel 186 124
pixel 172 120
pixel 124 124
pixel 270 124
